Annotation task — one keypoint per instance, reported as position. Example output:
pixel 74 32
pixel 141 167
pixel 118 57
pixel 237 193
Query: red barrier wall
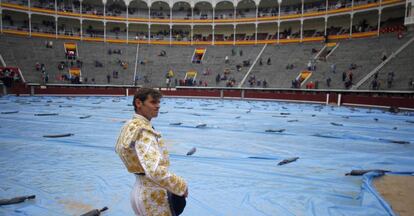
pixel 387 99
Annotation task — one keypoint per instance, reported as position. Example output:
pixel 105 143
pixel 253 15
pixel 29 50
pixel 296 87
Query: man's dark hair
pixel 143 93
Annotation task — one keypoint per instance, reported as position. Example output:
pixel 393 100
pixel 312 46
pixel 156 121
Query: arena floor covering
pixel 234 170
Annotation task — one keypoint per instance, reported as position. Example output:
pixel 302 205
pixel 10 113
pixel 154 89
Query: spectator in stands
pixel 241 52
pixel 98 64
pixel 350 75
pixel 333 68
pixel 310 85
pixel 400 35
pixel 348 83
pixel 218 78
pixel 79 63
pixel 343 76
pixel 108 78
pixel 168 82
pixel 384 56
pixel 246 63
pixel 375 84
pixel 390 79
pixel 238 67
pixel 226 59
pixel 269 61
pixel 162 53
pixel 310 65
pixel 49 44
pixel 115 74
pixel 328 82
pixel 290 66
pixel 43 68
pixel 411 83
pixel 37 66
pixel 93 80
pixel 85 80
pixel 233 51
pixel 264 83
pixel 46 78
pixel 260 62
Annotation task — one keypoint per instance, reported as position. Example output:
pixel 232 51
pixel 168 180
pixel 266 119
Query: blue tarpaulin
pixel 234 170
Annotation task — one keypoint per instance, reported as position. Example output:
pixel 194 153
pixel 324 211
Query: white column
pixel 170 33
pixel 257 11
pixel 234 34
pixel 379 21
pixel 30 24
pixel 171 14
pixel 326 17
pixel 255 37
pixel 1 19
pixel 278 31
pixel 213 27
pixel 149 33
pixel 56 26
pixel 213 30
pixel 81 29
pixel 127 12
pixel 127 32
pixel 303 7
pixel 301 30
pixel 80 8
pixel 351 23
pixel 30 18
pixel 192 14
pixel 56 20
pixel 352 18
pixel 104 31
pixel 191 33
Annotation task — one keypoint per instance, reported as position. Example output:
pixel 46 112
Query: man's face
pixel 149 108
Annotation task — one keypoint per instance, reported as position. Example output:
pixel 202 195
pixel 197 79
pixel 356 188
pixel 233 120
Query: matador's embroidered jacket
pixel 142 150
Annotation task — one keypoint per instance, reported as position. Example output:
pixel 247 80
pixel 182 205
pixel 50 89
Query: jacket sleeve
pixel 149 156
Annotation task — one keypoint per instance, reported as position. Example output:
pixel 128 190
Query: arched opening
pixel 160 32
pixel 45 24
pixel 94 7
pixel 289 30
pixel 245 32
pixel 116 30
pixel 138 8
pixel 115 8
pixel 181 10
pixel 268 8
pixel 365 21
pixel 223 33
pixel 202 33
pixel 138 31
pixel 181 33
pixel 224 10
pixel 160 10
pixel 15 20
pixel 93 29
pixel 338 25
pixel 313 27
pixel 70 27
pixel 267 31
pixel 245 9
pixel 203 10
